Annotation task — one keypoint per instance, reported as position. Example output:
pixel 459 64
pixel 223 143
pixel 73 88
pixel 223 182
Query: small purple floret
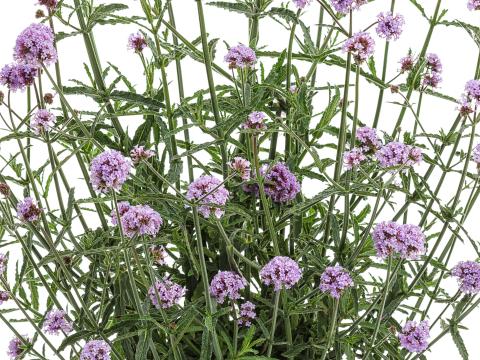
pixel 390 26
pixel 281 272
pixel 35 45
pixel 56 322
pixel 42 121
pixel 335 280
pixel 141 220
pixel 108 171
pixel 280 184
pixel 96 350
pixel 28 210
pixel 247 314
pixel 18 76
pixel 169 293
pixel 414 337
pixel 468 276
pixel 240 56
pixel 361 45
pixel 216 198
pixel 226 284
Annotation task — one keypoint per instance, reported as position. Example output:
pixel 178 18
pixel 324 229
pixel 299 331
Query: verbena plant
pixel 172 256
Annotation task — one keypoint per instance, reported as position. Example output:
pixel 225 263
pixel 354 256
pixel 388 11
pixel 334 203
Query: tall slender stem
pixel 274 323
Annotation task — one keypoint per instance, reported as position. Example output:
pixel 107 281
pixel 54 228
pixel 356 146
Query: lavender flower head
pixel 411 242
pixel 137 42
pixel 217 195
pixel 344 6
pixel 4 296
pixel 242 167
pixel 141 220
pixel 28 210
pixel 247 314
pixel 397 153
pixel 123 207
pixel 159 254
pixel 414 337
pixel 3 263
pixel 471 97
pixel 42 121
pixel 369 139
pixel 255 121
pixel 353 158
pixel 226 284
pixel 169 293
pixel 432 79
pixel 18 76
pixel 468 276
pixel 433 63
pixel 473 5
pixel 35 45
pixel 476 155
pixel 240 56
pixel 108 171
pixel 280 272
pixel 280 184
pixel 334 280
pixel 390 26
pixel 405 240
pixel 50 4
pixel 360 45
pixel 56 322
pixel 95 350
pixel 139 153
pixel 16 348
pixel 406 63
pixel 301 3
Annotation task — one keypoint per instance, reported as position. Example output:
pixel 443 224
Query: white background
pixel 456 50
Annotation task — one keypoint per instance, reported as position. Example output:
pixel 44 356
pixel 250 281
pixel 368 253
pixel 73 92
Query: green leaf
pixel 457 339
pixel 234 7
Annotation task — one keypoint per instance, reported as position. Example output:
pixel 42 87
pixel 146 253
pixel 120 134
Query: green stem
pixel 333 327
pixel 211 85
pixel 205 281
pixel 274 323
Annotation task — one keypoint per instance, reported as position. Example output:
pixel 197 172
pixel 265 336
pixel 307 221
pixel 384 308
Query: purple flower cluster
pixel 247 314
pixel 159 254
pixel 139 153
pixel 50 4
pixel 353 158
pixel 476 154
pixel 123 207
pixel 3 263
pixel 28 210
pixel 473 5
pixel 212 194
pixel 344 6
pixel 42 121
pixel 470 99
pixel 405 240
pixel 56 322
pixel 4 296
pixel 398 154
pixel 390 26
pixel 301 3
pixel 140 220
pixel 137 42
pixel 468 276
pixel 334 280
pixel 16 348
pixel 281 272
pixel 242 167
pixel 35 45
pixel 169 293
pixel 108 171
pixel 18 76
pixel 280 184
pixel 227 284
pixel 361 45
pixel 414 337
pixel 96 350
pixel 407 63
pixel 255 121
pixel 240 56
pixel 434 67
pixel 368 139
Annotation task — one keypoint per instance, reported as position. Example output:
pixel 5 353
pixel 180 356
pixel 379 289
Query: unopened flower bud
pixel 39 14
pixel 48 98
pixel 4 189
pixel 394 89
